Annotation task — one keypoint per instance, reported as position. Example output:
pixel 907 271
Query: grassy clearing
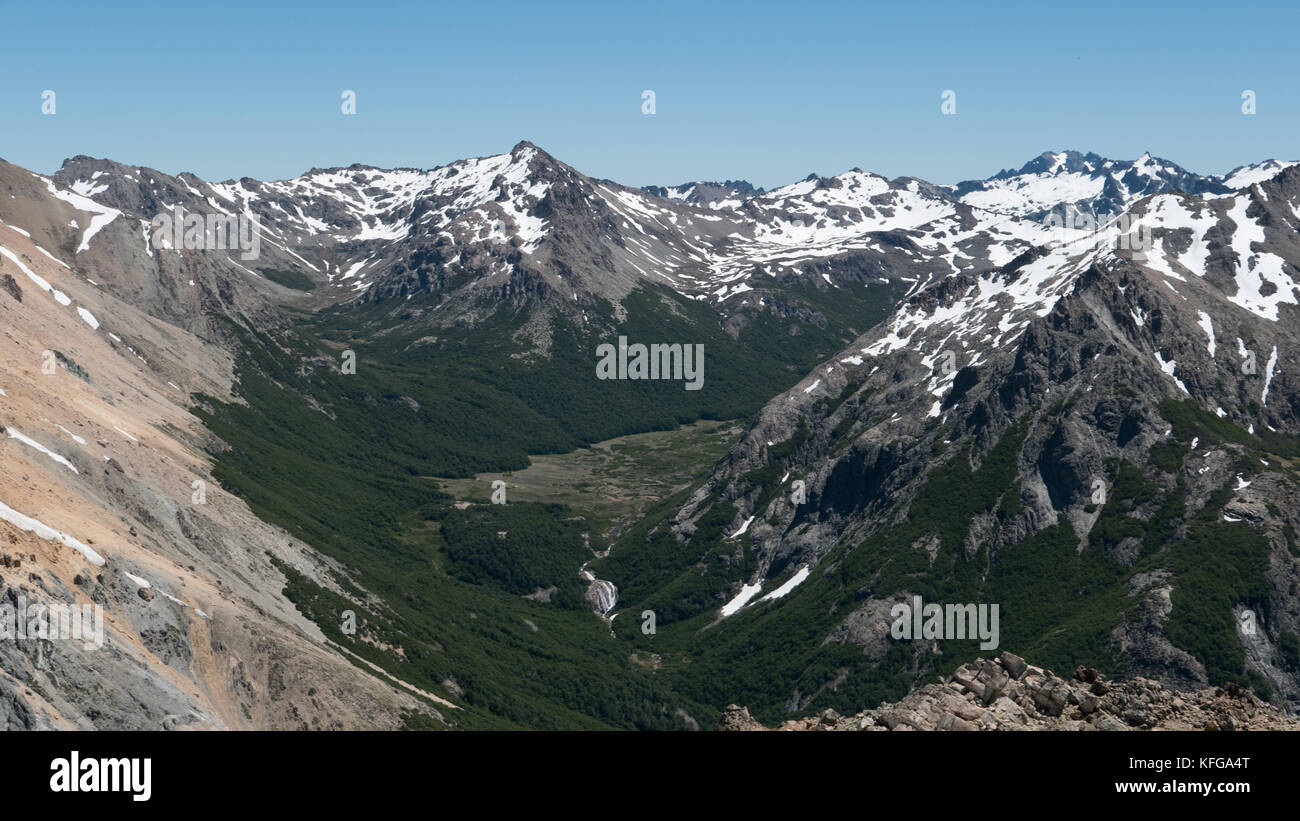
pixel 613 481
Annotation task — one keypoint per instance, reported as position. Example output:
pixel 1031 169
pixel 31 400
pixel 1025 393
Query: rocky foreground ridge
pixel 1010 694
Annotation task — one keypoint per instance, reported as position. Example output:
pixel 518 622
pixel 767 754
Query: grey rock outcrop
pixel 1011 695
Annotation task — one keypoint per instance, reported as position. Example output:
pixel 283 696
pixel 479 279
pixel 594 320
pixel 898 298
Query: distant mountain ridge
pixel 1098 437
pixel 950 380
pixel 1096 185
pixel 523 227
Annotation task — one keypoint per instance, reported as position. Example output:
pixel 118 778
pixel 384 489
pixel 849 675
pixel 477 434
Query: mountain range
pixel 1064 389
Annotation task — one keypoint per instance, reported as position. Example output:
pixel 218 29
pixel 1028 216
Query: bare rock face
pixel 1011 694
pixel 738 718
pixel 1098 366
pixel 193 629
pixel 9 286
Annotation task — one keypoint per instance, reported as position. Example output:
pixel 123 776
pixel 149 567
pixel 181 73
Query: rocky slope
pixel 1010 695
pixel 1122 407
pixel 106 499
pixel 1130 413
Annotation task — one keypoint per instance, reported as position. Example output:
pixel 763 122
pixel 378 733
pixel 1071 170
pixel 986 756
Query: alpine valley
pixel 1068 391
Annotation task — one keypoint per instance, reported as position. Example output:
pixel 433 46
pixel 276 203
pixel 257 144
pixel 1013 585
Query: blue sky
pixel 762 91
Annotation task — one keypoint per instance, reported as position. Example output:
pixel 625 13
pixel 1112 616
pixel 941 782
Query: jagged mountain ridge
pixel 1085 368
pixel 525 225
pixel 505 218
pixel 1069 182
pixel 835 230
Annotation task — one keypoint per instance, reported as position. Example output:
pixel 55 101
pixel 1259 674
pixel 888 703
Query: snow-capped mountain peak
pixel 483 223
pixel 1057 182
pixel 1247 175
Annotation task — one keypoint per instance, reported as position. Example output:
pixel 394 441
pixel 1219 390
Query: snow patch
pixel 32 443
pixel 1207 325
pixel 1168 368
pixel 1268 376
pixel 793 582
pixel 743 528
pixel 742 598
pixel 44 531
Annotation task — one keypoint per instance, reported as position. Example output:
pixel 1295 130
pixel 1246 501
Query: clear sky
pixel 757 90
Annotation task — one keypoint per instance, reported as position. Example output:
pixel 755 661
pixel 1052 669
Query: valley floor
pixel 614 481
